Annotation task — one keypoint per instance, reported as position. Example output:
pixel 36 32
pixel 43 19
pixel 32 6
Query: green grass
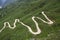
pixel 24 11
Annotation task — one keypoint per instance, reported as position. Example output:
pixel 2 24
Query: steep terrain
pixel 24 10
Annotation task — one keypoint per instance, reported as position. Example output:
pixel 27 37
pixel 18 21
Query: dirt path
pixel 29 28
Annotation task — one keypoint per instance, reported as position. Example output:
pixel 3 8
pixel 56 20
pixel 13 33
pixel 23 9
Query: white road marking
pixel 29 28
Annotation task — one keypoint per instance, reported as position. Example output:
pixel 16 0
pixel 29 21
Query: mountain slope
pixel 24 10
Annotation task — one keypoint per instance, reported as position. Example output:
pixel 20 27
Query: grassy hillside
pixel 24 10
